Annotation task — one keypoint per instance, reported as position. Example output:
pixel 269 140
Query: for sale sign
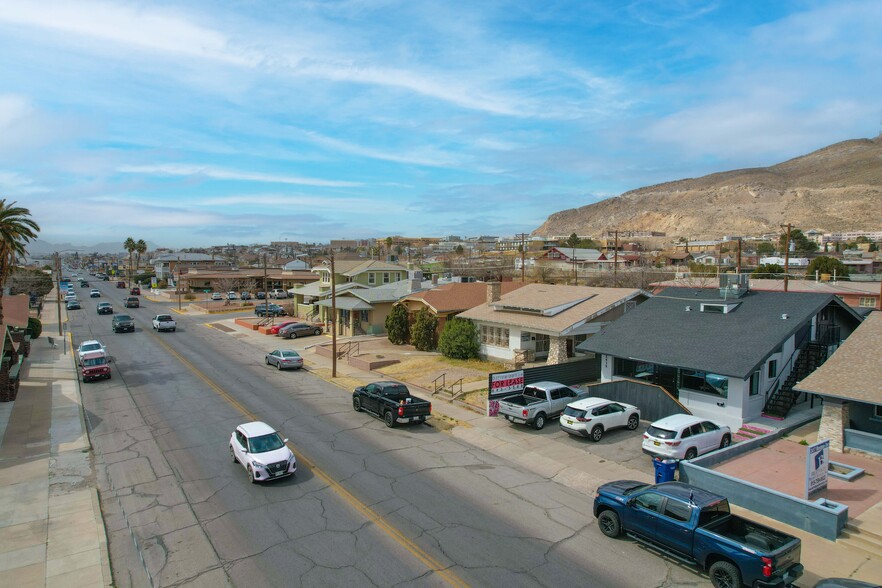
pixel 817 460
pixel 503 384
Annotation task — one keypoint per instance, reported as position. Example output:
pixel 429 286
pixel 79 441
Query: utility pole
pixel 58 291
pixel 738 268
pixel 178 282
pixel 616 261
pixel 265 290
pixel 523 237
pixel 333 319
pixel 786 255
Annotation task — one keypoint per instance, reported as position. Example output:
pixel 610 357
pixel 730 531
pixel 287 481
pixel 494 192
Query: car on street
pixel 104 308
pixel 94 293
pixel 217 296
pixel 122 323
pixel 136 291
pixel 73 304
pixel 684 436
pixel 284 359
pixel 695 526
pixel 164 322
pixel 295 330
pixel 591 417
pixel 133 302
pixel 262 452
pixel 88 346
pixel 95 365
pixel 269 310
pixel 274 330
pixel 121 284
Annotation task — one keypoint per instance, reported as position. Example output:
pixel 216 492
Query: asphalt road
pixel 368 505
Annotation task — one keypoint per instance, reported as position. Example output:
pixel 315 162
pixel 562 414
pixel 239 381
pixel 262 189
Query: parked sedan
pixel 275 328
pixel 217 296
pixel 245 296
pixel 104 308
pixel 684 436
pixel 284 359
pixel 269 310
pixel 262 452
pixel 295 330
pixel 591 417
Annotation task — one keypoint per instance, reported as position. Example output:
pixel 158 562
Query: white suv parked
pixel 590 417
pixel 278 293
pixel 262 452
pixel 684 436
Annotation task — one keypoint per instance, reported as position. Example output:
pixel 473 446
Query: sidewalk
pixel 51 527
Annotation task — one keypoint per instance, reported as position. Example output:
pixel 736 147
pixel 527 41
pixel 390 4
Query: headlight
pixel 257 464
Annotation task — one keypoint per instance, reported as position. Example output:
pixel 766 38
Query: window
pixel 705 382
pixel 755 383
pixel 385 277
pixel 649 501
pixel 497 336
pixel 877 412
pixel 709 427
pixel 867 302
pixel 679 511
pixel 372 278
pixel 773 368
pixel 326 277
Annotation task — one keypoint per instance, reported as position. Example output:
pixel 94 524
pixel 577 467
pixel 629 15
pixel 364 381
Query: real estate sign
pixel 503 384
pixel 817 460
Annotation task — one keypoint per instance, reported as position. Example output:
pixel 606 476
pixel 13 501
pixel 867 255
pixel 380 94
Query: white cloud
pixel 12 184
pixel 218 173
pixel 296 201
pixel 13 108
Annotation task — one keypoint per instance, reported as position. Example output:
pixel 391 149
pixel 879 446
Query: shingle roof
pixel 662 331
pixel 572 305
pixel 854 371
pixel 459 296
pixel 350 268
pixel 772 285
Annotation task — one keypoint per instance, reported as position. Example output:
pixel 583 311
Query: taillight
pixel 430 408
pixel 583 420
pixel 401 411
pixel 767 567
pixel 672 443
pixel 524 412
pixel 645 436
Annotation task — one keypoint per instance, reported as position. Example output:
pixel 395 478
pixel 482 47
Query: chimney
pixel 434 279
pixel 415 284
pixel 494 292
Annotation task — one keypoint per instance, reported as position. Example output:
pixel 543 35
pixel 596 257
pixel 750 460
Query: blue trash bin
pixel 664 470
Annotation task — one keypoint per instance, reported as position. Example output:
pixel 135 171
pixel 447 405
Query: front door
pixel 666 377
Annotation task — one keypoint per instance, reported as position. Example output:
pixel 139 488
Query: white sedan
pixel 590 417
pixel 262 452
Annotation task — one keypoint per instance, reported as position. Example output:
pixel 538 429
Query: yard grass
pixel 423 369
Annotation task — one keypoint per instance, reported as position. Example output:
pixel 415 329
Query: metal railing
pixel 436 386
pixel 348 349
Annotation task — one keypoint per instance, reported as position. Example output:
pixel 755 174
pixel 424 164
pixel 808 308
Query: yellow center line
pixel 414 549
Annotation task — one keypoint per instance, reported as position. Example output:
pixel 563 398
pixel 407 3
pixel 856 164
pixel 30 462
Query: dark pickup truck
pixel 695 526
pixel 391 402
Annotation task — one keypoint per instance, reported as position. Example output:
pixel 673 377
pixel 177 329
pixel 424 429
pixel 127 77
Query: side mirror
pixel 285 440
pixel 631 501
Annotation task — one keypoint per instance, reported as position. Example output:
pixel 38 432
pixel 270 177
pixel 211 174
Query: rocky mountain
pixel 39 247
pixel 836 188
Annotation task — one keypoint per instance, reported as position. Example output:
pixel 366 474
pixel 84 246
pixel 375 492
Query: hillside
pixel 835 188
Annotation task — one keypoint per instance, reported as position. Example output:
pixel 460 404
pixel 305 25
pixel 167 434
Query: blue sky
pixel 198 123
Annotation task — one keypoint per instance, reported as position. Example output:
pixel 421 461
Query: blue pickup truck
pixel 695 526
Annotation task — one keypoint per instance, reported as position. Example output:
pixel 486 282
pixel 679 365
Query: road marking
pixel 434 565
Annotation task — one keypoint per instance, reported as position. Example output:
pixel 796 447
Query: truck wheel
pixel 727 440
pixel 609 524
pixel 633 422
pixel 691 453
pixel 597 433
pixel 389 418
pixel 356 404
pixel 724 575
pixel 539 421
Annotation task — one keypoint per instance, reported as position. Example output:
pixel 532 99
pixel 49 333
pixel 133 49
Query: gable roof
pixel 459 296
pixel 551 308
pixel 662 331
pixel 854 371
pixel 354 267
pixel 577 254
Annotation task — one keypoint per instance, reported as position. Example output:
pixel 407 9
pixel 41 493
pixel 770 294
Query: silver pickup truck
pixel 538 403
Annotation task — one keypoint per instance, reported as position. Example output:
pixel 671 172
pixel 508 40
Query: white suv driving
pixel 262 452
pixel 684 436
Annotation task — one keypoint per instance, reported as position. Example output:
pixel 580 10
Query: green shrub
pixel 459 339
pixel 397 326
pixel 34 328
pixel 422 333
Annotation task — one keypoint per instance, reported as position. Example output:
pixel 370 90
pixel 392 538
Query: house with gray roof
pixel 362 310
pixel 850 382
pixel 729 355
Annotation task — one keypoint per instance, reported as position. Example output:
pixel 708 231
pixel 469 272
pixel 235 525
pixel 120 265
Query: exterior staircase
pixel 782 400
pixel 864 537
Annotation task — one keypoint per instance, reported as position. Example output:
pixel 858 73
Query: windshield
pixel 660 433
pixel 90 347
pixel 123 317
pixel 266 443
pixel 574 412
pixel 95 361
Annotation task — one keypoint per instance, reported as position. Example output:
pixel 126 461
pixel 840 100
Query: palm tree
pixel 130 246
pixel 140 249
pixel 17 229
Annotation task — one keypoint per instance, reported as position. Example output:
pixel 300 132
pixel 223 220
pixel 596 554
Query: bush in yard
pixel 34 328
pixel 459 339
pixel 397 326
pixel 422 333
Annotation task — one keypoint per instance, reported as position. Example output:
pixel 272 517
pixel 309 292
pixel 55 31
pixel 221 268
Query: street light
pixel 333 318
